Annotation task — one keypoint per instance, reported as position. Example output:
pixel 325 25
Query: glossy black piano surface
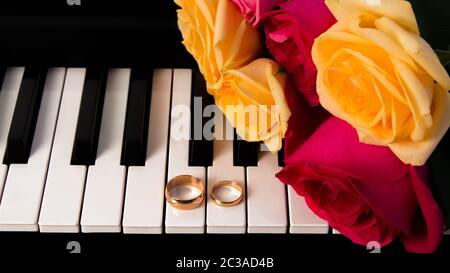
pixel 114 33
pixel 125 33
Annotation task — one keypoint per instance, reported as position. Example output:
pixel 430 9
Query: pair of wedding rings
pixel 188 181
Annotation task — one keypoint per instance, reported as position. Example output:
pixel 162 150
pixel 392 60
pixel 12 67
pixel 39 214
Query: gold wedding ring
pixel 185 181
pixel 230 184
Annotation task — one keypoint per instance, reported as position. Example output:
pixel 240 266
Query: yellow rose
pixel 379 75
pixel 217 36
pixel 225 47
pixel 252 99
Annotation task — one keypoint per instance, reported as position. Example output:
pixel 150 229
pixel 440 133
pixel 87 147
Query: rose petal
pixel 254 10
pixel 290 33
pixel 364 191
pixel 398 10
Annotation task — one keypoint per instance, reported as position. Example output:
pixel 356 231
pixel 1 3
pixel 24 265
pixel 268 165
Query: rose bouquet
pixel 361 100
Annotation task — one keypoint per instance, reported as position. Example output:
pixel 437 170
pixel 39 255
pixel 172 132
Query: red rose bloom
pixel 290 33
pixel 303 122
pixel 364 191
pixel 253 10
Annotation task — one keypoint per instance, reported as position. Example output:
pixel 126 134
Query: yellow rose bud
pixel 379 75
pixel 249 92
pixel 252 99
pixel 217 36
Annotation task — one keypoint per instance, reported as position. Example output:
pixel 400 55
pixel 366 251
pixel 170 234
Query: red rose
pixel 290 33
pixel 253 10
pixel 364 191
pixel 303 122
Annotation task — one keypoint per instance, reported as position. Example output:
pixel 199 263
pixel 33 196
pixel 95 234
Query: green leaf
pixel 444 56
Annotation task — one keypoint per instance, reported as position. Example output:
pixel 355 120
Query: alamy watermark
pixel 255 119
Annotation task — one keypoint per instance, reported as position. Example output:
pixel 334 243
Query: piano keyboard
pixel 90 150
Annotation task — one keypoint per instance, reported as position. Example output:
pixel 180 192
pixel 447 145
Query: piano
pixel 87 102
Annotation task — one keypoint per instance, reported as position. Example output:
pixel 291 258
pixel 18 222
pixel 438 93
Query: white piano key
pixel 21 201
pixel 8 96
pixel 182 221
pixel 301 218
pixel 266 197
pixel 225 219
pixel 3 172
pixel 63 194
pixel 144 200
pixel 105 184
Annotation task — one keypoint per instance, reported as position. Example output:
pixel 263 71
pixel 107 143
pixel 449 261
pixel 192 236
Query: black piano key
pixel 25 116
pixel 281 156
pixel 134 146
pixel 200 149
pixel 2 75
pixel 245 153
pixel 89 118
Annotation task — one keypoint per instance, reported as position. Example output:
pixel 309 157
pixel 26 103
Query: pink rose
pixel 290 33
pixel 364 191
pixel 253 10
